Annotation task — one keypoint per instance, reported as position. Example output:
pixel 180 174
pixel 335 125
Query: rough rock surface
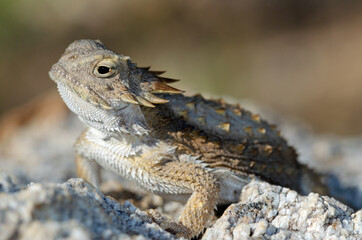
pixel 72 210
pixel 77 210
pixel 272 212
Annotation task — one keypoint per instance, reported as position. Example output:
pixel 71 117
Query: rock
pixel 273 212
pixel 37 138
pixel 72 210
pixel 77 210
pixel 7 185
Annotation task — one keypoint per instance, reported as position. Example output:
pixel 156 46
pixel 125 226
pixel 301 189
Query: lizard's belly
pixel 133 162
pixel 231 185
pixel 137 169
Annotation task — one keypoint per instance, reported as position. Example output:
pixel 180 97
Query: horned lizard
pixel 189 149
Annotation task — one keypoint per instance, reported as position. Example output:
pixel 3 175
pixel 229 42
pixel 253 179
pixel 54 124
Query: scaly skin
pixel 186 148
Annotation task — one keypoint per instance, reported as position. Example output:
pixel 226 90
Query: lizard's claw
pixel 155 216
pixel 168 225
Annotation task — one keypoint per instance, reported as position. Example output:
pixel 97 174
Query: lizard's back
pixel 228 139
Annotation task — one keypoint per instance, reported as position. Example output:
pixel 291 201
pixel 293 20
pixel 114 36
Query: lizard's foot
pixel 169 225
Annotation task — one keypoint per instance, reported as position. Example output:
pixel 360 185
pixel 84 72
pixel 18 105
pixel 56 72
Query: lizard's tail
pixel 312 182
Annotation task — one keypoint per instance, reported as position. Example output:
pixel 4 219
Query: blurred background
pixel 301 58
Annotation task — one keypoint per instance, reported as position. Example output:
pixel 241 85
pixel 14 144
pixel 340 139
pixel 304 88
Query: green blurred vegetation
pixel 302 58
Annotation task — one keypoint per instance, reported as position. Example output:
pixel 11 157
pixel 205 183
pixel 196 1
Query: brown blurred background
pixel 300 57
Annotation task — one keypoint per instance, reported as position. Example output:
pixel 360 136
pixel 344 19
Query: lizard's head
pixel 97 83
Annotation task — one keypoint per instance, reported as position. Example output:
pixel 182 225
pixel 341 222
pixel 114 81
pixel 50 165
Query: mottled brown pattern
pixel 266 155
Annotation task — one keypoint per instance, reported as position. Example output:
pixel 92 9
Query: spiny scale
pixel 144 102
pixel 159 87
pixel 157 73
pixel 225 127
pixel 167 80
pixel 128 97
pixel 153 99
pixel 218 117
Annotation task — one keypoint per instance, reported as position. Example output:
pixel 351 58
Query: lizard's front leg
pixel 200 207
pixel 88 170
pixel 87 167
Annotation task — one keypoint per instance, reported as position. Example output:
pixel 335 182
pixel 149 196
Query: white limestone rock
pixel 72 210
pixel 273 212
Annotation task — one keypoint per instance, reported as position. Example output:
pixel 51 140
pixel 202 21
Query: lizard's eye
pixel 105 68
